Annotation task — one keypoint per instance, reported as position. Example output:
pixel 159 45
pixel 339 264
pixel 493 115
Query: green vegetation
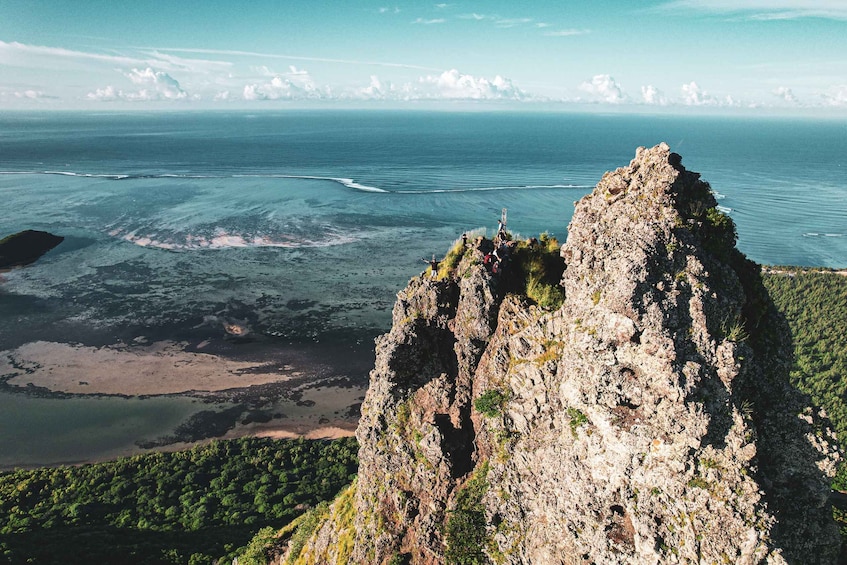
pixel 578 418
pixel 465 531
pixel 190 506
pixel 305 528
pixel 536 270
pixel 451 260
pixel 490 403
pixel 815 306
pixel 734 331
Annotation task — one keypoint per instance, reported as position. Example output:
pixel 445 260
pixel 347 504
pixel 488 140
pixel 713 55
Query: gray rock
pixel 648 420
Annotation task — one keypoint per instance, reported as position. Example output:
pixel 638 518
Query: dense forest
pixel 192 506
pixel 815 306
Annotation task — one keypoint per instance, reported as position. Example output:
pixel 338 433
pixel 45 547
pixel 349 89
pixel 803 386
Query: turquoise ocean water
pixel 304 225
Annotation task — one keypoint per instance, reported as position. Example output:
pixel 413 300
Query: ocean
pixel 298 228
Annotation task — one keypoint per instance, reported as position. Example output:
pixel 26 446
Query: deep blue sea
pixel 303 225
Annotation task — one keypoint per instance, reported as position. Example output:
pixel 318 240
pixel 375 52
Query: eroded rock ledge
pixel 648 419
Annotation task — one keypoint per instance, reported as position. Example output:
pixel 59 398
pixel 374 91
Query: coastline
pixel 224 389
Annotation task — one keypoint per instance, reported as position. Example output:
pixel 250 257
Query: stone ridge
pixel 647 420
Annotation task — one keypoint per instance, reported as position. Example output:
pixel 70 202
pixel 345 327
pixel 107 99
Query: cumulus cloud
pixel 106 94
pixel 376 90
pixel 604 88
pixel 155 85
pixel 653 96
pixel 836 96
pixel 297 84
pixel 786 94
pixel 31 94
pixel 693 95
pixel 454 85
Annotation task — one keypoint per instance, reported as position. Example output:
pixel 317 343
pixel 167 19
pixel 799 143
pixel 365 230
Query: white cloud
pixel 836 96
pixel 429 22
pixel 653 96
pixel 765 9
pixel 106 94
pixel 511 22
pixel 605 89
pixel 693 95
pixel 31 94
pixel 175 63
pixel 728 100
pixel 474 16
pixel 454 85
pixel 786 94
pixel 297 84
pixel 237 53
pixel 375 90
pixel 40 56
pixel 221 96
pixel 156 85
pixel 567 32
pixel 160 85
pixel 19 54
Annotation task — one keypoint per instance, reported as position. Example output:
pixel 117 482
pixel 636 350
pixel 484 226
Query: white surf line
pixel 347 182
pixel 492 188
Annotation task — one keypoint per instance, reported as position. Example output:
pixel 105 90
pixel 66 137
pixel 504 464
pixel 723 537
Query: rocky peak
pixel 648 419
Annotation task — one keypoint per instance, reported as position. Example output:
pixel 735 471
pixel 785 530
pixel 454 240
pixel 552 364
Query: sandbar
pixel 160 368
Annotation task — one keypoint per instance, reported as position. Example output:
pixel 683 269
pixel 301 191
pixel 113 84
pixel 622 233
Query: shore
pixel 229 389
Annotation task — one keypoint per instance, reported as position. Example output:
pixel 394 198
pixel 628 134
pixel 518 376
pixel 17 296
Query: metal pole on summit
pixel 503 218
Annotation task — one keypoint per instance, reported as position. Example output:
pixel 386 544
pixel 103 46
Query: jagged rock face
pixel 416 432
pixel 647 420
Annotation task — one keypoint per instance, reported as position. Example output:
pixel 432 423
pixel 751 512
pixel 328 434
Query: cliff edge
pixel 645 418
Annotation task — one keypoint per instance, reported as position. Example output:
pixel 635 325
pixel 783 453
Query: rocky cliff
pixel 647 419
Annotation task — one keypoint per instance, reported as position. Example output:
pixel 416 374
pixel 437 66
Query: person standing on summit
pixel 433 265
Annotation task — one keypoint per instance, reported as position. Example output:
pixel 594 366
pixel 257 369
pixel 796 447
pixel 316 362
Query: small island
pixel 26 247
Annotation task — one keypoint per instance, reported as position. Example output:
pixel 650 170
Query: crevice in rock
pixel 457 445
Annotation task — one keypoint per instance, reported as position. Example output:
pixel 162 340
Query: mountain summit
pixel 644 416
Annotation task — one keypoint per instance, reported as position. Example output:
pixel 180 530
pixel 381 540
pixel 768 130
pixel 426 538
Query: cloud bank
pixel 296 84
pixel 155 85
pixel 453 85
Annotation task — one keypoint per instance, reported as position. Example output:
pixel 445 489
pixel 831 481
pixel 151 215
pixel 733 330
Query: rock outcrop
pixel 648 419
pixel 26 247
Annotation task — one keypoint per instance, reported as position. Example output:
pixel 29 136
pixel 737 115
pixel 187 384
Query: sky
pixel 746 56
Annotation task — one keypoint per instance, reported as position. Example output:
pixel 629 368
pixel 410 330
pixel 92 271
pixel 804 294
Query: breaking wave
pixel 226 240
pixel 346 182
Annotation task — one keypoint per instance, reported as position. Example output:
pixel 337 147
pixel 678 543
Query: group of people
pixel 495 261
pixel 498 259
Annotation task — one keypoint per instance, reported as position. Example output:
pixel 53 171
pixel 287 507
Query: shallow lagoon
pixel 180 226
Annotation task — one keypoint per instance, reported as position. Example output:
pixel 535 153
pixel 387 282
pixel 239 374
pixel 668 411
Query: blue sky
pixel 674 55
